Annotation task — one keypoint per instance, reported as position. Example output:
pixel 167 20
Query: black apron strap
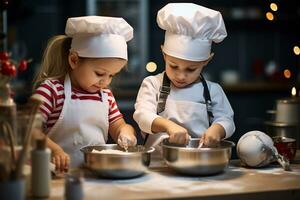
pixel 165 91
pixel 207 99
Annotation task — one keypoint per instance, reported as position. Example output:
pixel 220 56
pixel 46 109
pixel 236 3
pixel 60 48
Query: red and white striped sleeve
pixel 48 93
pixel 114 112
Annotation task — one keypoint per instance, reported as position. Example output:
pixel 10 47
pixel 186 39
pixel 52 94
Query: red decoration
pixel 8 67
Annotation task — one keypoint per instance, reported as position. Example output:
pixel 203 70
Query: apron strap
pixel 165 91
pixel 68 87
pixel 207 99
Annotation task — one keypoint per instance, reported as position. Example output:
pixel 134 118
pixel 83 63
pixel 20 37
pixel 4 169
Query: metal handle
pixel 282 160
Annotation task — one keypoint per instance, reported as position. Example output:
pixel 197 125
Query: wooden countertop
pixel 160 182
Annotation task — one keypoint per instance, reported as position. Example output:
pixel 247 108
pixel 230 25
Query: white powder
pixel 155 182
pixel 275 170
pixel 111 151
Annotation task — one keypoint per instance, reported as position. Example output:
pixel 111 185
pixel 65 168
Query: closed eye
pixel 191 70
pixel 99 74
pixel 173 66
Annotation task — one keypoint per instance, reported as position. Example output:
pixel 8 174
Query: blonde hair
pixel 55 62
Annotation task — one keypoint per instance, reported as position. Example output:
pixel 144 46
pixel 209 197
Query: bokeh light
pixel 296 50
pixel 287 73
pixel 151 67
pixel 270 16
pixel 294 91
pixel 274 6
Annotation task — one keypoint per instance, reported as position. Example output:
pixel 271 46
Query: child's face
pixel 183 72
pixel 94 74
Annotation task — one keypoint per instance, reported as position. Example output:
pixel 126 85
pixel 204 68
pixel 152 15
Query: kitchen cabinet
pixel 160 183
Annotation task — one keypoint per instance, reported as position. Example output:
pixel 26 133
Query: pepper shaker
pixel 73 187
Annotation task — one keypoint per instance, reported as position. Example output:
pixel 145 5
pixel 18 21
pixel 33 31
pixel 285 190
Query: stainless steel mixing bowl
pixel 192 160
pixel 131 164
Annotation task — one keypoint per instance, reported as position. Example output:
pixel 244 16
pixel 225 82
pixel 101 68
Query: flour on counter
pixel 159 183
pixel 267 170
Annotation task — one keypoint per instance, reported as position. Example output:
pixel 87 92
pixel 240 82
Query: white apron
pixel 191 115
pixel 81 123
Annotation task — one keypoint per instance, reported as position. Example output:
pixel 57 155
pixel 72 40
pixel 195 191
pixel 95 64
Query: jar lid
pixel 41 143
pixel 280 124
pixel 291 100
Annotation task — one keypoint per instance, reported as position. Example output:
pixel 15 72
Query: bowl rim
pixel 190 149
pixel 283 139
pixel 137 153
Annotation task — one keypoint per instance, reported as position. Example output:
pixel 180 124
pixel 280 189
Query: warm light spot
pixel 287 73
pixel 296 50
pixel 269 16
pixel 294 91
pixel 151 67
pixel 274 6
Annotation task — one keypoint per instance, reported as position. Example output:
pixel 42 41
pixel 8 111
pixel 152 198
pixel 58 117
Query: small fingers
pixel 62 162
pixel 186 138
pixel 211 142
pixel 56 161
pixel 131 142
pixel 67 163
pixel 179 139
pixel 124 141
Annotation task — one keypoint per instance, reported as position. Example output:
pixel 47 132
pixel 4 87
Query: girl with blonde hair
pixel 73 80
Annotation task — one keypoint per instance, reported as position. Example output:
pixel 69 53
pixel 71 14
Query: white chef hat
pixel 190 30
pixel 99 37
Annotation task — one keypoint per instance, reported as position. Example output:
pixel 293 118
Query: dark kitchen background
pixel 256 64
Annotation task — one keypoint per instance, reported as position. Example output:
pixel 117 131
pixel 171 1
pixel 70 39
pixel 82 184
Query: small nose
pixel 104 81
pixel 181 76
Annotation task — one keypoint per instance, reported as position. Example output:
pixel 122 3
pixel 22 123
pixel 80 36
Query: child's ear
pixel 209 59
pixel 161 48
pixel 73 59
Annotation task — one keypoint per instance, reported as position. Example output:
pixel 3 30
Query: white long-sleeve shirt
pixel 147 100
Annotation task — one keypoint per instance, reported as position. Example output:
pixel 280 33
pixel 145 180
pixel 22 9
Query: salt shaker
pixel 41 175
pixel 73 187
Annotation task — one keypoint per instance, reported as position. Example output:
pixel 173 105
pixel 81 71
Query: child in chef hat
pixel 73 81
pixel 179 101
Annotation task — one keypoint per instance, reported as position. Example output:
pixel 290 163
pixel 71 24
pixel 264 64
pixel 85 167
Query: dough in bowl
pixel 110 151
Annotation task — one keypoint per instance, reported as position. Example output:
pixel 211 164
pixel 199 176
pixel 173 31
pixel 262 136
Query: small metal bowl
pixel 129 165
pixel 191 160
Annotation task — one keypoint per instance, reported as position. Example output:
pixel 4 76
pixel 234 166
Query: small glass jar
pixel 74 185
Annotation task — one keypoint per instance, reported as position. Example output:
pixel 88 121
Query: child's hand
pixel 210 139
pixel 126 138
pixel 61 160
pixel 178 134
pixel 213 136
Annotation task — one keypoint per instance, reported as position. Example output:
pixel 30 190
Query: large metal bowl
pixel 132 164
pixel 192 160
